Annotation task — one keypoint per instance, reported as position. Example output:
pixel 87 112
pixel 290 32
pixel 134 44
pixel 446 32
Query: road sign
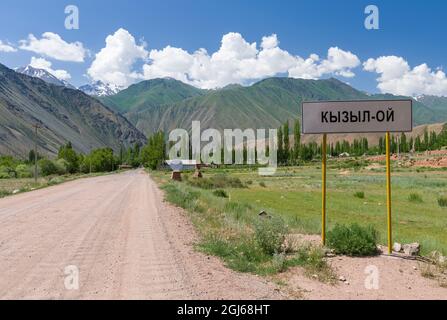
pixel 362 116
pixel 357 116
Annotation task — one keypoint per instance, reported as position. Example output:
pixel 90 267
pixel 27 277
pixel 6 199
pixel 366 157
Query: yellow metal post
pixel 323 188
pixel 388 192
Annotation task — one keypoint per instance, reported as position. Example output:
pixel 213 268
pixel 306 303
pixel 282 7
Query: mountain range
pixel 166 104
pixel 44 75
pixel 110 116
pixel 100 89
pixel 62 114
pixel 97 88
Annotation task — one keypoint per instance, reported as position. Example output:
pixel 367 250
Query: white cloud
pixel 397 77
pixel 40 63
pixel 6 47
pixel 53 46
pixel 338 62
pixel 236 61
pixel 114 63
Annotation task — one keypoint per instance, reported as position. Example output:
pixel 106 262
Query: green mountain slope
pixel 266 104
pixel 438 105
pixel 63 115
pixel 151 93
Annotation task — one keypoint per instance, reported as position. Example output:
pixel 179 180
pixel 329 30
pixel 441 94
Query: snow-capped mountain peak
pixel 100 89
pixel 43 75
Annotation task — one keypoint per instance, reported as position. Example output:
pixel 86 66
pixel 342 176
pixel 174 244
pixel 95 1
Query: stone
pixel 412 249
pixel 264 214
pixel 397 247
pixel 342 279
pixel 16 191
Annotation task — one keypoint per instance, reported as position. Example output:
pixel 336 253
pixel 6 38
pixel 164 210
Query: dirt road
pixel 122 239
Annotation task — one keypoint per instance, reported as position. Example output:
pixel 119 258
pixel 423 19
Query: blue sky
pixel 411 30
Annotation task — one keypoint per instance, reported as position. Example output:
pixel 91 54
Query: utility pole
pixel 36 126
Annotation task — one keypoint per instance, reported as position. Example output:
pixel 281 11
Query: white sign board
pixel 357 116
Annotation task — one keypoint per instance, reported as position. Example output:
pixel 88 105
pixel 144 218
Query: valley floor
pixel 127 243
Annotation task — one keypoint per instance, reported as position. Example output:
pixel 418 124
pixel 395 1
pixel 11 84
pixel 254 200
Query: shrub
pixel 6 172
pixel 279 262
pixel 415 197
pixel 312 259
pixel 353 240
pixel 262 184
pixel 62 166
pixel 217 182
pixel 4 193
pixel 47 167
pixel 183 198
pixel 243 254
pixel 55 181
pixel 220 193
pixel 360 195
pixel 23 171
pixel 270 234
pixel 442 201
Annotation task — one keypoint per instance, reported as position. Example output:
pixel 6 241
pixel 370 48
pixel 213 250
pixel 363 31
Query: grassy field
pixel 356 193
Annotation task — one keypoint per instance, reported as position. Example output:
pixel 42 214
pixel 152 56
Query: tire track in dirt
pixel 126 242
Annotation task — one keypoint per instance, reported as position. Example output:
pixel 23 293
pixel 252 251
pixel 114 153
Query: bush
pixel 262 184
pixel 6 172
pixel 415 197
pixel 183 198
pixel 23 171
pixel 47 167
pixel 353 240
pixel 442 201
pixel 55 181
pixel 220 193
pixel 4 193
pixel 217 182
pixel 62 166
pixel 360 195
pixel 270 234
pixel 312 259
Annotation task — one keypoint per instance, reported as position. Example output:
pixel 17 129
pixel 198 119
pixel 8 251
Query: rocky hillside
pixel 61 113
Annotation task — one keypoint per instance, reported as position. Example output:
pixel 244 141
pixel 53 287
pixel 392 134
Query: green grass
pixel 220 193
pixel 442 201
pixel 295 195
pixel 227 226
pixel 233 231
pixel 359 194
pixel 313 261
pixel 415 197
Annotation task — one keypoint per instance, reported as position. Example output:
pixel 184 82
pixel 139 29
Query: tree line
pixel 298 152
pixel 68 161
